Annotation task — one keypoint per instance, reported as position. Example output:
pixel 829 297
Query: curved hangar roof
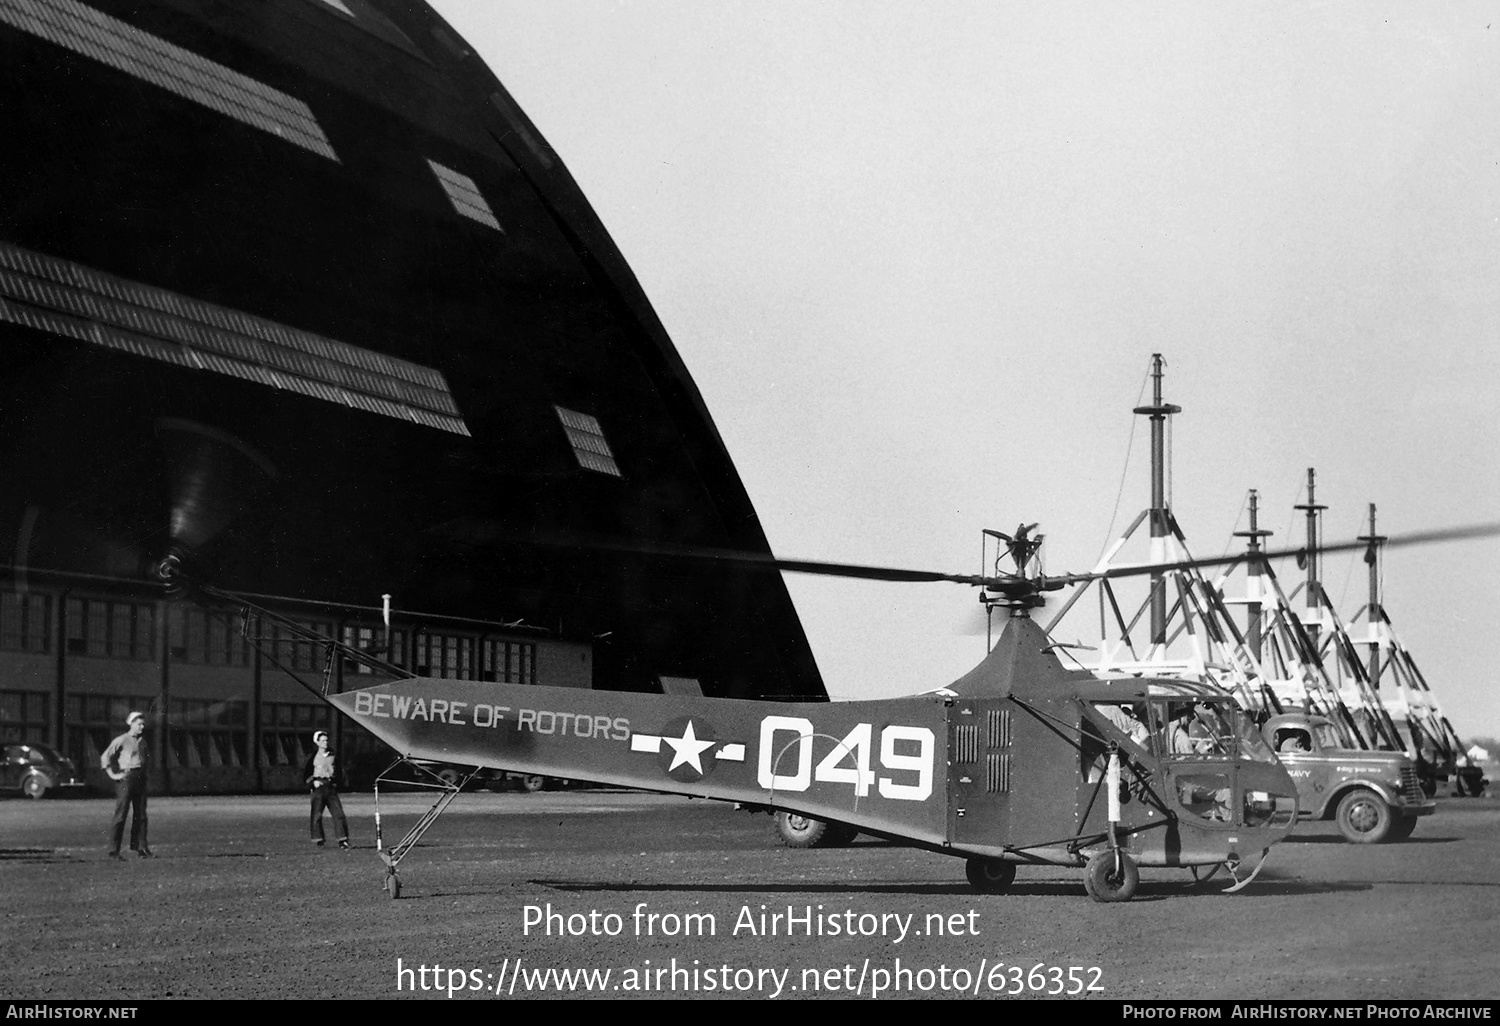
pixel 301 273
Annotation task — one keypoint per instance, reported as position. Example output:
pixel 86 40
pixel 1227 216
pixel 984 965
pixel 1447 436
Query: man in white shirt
pixel 126 760
pixel 322 773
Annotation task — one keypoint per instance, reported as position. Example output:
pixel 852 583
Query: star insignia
pixel 687 748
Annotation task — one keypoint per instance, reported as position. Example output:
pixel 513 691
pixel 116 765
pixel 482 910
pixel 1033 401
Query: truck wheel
pixel 1106 882
pixel 1401 828
pixel 798 831
pixel 990 876
pixel 1363 817
pixel 34 786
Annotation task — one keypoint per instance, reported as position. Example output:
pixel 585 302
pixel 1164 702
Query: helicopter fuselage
pixel 1020 773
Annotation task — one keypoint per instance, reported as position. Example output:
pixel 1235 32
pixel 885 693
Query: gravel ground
pixel 238 904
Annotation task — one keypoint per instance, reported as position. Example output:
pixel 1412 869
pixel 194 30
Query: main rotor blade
pixel 215 478
pixel 480 532
pixel 1447 534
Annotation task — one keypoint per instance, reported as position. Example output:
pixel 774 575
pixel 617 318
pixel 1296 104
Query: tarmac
pixel 615 894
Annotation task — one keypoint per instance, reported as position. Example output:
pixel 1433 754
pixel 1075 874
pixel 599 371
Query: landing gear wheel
pixel 533 782
pixel 34 786
pixel 393 885
pixel 1106 881
pixel 798 831
pixel 1363 817
pixel 1401 828
pixel 990 876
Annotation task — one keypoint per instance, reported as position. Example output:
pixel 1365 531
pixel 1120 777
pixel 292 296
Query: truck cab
pixel 1373 795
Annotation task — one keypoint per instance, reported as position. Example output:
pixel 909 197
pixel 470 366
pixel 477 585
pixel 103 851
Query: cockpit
pixel 1198 739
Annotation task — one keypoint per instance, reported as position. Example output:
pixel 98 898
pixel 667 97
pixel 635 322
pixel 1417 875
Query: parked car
pixel 35 769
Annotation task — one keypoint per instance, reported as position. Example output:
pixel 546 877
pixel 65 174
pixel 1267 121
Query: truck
pixel 1374 796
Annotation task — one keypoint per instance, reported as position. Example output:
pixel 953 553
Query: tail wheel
pixel 989 875
pixel 1111 876
pixel 1364 817
pixel 393 885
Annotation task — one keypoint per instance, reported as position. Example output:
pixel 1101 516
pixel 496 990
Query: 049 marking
pixel 904 750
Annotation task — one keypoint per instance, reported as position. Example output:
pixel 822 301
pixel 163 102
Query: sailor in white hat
pixel 126 760
pixel 322 773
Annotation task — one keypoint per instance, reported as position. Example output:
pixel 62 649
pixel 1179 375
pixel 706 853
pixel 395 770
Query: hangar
pixel 295 292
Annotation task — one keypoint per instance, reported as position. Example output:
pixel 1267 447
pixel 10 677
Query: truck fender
pixel 1331 802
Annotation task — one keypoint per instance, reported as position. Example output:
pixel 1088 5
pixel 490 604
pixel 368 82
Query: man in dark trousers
pixel 323 774
pixel 126 760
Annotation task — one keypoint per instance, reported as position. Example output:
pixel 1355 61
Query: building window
pixel 152 59
pixel 464 194
pixel 25 622
pixel 294 651
pixel 444 655
pixel 96 720
pixel 23 715
pixel 376 642
pixel 111 628
pixel 201 637
pixel 286 731
pixel 142 320
pixel 208 734
pixel 509 662
pixel 587 439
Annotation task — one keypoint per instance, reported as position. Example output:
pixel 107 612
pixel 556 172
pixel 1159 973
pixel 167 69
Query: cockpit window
pixel 1129 717
pixel 1252 744
pixel 1208 729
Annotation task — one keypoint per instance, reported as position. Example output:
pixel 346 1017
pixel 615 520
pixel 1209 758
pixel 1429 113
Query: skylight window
pixel 587 439
pixel 464 194
pixel 75 301
pixel 152 59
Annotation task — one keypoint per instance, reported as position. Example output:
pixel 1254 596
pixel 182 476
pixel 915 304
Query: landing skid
pixel 1202 874
pixel 428 780
pixel 1241 884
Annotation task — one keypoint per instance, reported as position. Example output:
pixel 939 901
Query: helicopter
pixel 1021 761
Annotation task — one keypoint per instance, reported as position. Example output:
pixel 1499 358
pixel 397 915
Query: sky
pixel 918 256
